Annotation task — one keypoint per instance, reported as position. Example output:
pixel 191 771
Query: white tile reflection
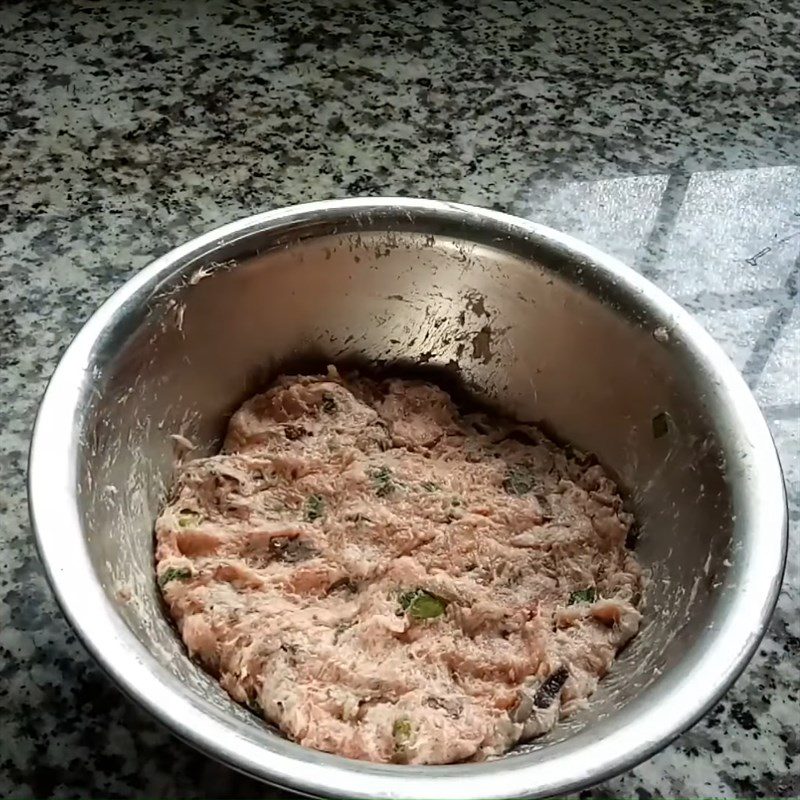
pixel 735 231
pixel 725 247
pixel 735 329
pixel 787 439
pixel 780 381
pixel 615 215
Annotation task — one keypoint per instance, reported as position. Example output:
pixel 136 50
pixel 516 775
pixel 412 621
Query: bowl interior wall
pixel 524 326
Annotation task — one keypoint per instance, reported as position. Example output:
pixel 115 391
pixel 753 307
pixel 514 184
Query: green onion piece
pixel 519 481
pixel 173 574
pixel 328 403
pixel 588 595
pixel 315 508
pixel 382 480
pixel 420 604
pixel 401 731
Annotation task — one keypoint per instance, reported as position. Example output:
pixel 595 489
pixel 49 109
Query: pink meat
pixel 386 578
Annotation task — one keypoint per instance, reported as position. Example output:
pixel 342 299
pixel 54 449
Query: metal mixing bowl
pixel 536 322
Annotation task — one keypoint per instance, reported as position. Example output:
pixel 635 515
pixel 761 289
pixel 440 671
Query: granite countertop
pixel 666 134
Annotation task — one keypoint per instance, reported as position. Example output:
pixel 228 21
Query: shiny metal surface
pixel 536 322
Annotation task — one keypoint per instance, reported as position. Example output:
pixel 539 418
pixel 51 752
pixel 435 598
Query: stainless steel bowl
pixel 546 327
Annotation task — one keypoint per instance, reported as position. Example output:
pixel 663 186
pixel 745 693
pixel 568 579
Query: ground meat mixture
pixel 387 578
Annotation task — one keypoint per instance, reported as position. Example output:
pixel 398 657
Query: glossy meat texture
pixel 386 578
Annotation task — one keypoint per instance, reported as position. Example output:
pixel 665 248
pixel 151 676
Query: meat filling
pixel 387 578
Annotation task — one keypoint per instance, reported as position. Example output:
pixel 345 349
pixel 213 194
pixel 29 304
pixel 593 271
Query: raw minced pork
pixel 386 578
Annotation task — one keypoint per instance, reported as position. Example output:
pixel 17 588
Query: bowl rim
pixel 52 497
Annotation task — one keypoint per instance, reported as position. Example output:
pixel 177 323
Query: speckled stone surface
pixel 666 134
